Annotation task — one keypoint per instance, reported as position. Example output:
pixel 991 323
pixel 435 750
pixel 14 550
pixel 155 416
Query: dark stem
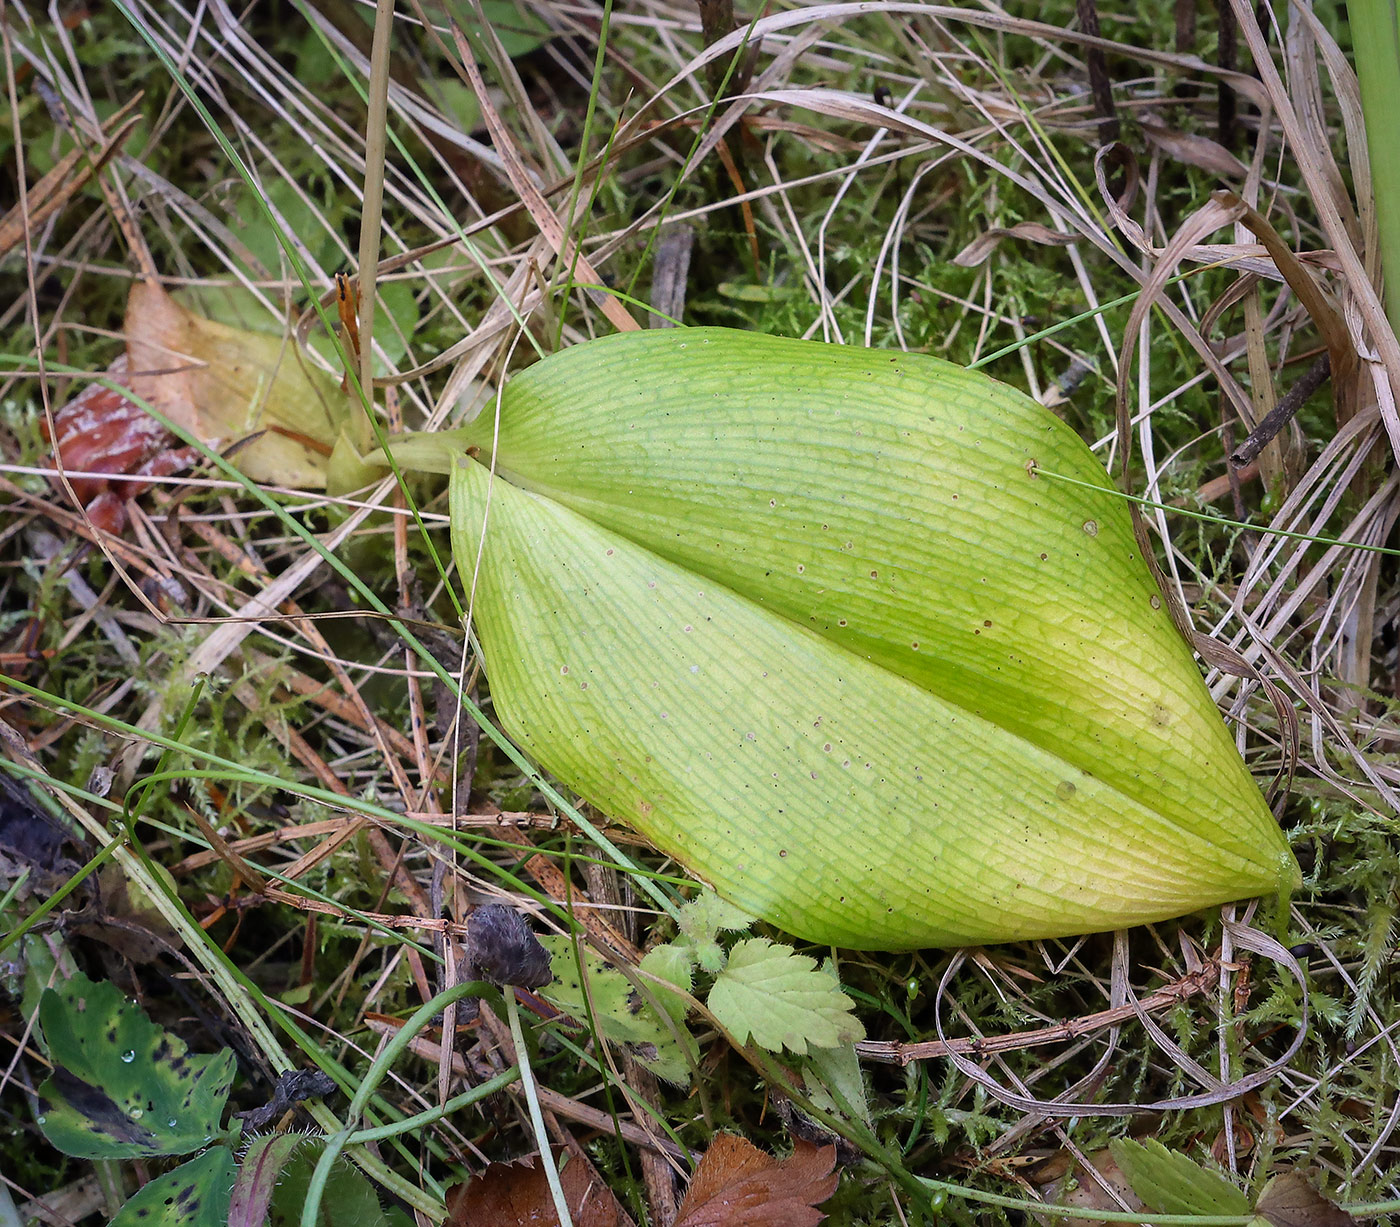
pixel 716 20
pixel 1099 83
pixel 1186 42
pixel 1225 56
pixel 1279 416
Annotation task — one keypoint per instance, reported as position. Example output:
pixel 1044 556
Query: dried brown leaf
pixel 102 431
pixel 984 244
pixel 517 1195
pixel 226 384
pixel 530 196
pixel 1062 1182
pixel 1290 1200
pixel 1192 149
pixel 738 1185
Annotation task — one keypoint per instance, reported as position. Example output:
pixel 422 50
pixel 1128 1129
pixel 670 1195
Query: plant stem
pixel 532 1099
pixel 429 1115
pixel 379 1067
pixel 1084 1212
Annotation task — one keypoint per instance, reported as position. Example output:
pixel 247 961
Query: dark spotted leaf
pixel 123 1087
pixel 195 1194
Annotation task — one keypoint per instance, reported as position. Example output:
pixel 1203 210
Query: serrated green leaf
pixel 195 1194
pixel 834 1082
pixel 1169 1182
pixel 619 1010
pixel 123 1087
pixel 672 964
pixel 782 999
pixel 707 915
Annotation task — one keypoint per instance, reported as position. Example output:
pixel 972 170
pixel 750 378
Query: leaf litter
pixel 1322 615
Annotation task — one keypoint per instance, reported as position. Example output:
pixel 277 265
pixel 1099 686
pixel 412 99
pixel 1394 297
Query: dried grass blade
pixel 988 241
pixel 226 852
pixel 1215 214
pixel 821 14
pixel 1310 164
pixel 533 199
pixel 1347 91
pixel 1328 321
pixel 75 170
pixel 1244 937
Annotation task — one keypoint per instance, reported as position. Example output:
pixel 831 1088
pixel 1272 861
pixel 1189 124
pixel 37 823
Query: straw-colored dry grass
pixel 887 174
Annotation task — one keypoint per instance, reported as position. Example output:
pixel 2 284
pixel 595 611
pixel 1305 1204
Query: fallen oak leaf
pixel 738 1185
pixel 517 1195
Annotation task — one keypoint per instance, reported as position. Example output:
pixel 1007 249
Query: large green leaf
pixel 123 1087
pixel 811 619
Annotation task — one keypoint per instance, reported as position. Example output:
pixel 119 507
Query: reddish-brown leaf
pixel 1290 1201
pixel 738 1185
pixel 517 1195
pixel 101 431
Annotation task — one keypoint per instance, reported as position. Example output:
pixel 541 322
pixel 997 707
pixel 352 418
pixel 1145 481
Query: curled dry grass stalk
pixel 916 175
